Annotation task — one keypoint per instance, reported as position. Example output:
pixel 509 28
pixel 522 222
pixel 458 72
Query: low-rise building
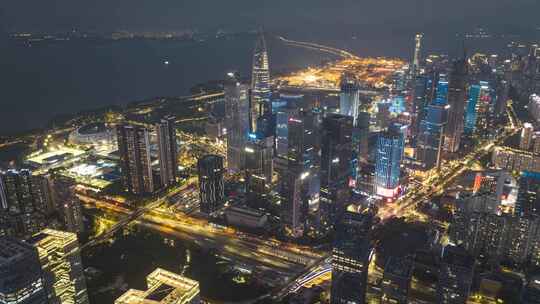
pixel 246 217
pixel 164 287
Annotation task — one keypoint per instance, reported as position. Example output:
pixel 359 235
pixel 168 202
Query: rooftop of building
pixel 163 287
pixel 401 267
pixel 457 256
pixel 48 236
pixel 245 211
pixel 93 128
pixel 12 249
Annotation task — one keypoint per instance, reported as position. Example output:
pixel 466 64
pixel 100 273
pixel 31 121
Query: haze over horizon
pixel 279 15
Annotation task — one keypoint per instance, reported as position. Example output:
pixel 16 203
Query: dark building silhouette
pixel 351 257
pixel 300 182
pixel 21 277
pixel 336 155
pixel 396 281
pixel 455 276
pixel 24 202
pixel 211 188
pixel 168 150
pixel 457 94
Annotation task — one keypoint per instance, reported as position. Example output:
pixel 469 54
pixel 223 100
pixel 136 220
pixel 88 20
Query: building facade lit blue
pixel 349 98
pixel 478 108
pixel 432 126
pixel 390 147
pixel 470 113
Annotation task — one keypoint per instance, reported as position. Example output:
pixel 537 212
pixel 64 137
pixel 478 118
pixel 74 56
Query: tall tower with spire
pixel 415 68
pixel 260 82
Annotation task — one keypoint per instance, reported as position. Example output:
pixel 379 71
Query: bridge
pixel 319 47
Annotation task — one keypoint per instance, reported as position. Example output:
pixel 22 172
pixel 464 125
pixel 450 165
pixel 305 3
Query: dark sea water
pixel 39 82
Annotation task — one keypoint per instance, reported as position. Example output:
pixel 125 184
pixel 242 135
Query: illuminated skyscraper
pixel 236 121
pixel 259 163
pixel 300 182
pixel 168 150
pixel 163 287
pixel 351 256
pixel 349 98
pixel 526 138
pixel 430 136
pixel 211 187
pixel 23 203
pixel 21 277
pixel 415 68
pixel 455 276
pixel 390 147
pixel 260 82
pixel 134 147
pixel 336 155
pixel 60 260
pixel 457 94
pixel 478 104
pixel 282 130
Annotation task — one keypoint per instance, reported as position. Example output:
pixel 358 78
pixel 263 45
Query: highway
pixel 406 205
pixel 313 272
pixel 285 259
pixel 130 215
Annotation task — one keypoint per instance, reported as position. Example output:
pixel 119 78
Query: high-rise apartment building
pixel 134 147
pixel 168 150
pixel 24 202
pixel 67 203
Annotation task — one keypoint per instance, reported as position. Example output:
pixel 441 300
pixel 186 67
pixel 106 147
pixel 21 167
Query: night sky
pixel 303 15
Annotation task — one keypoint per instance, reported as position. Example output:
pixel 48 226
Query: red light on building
pixel 477 182
pixel 352 183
